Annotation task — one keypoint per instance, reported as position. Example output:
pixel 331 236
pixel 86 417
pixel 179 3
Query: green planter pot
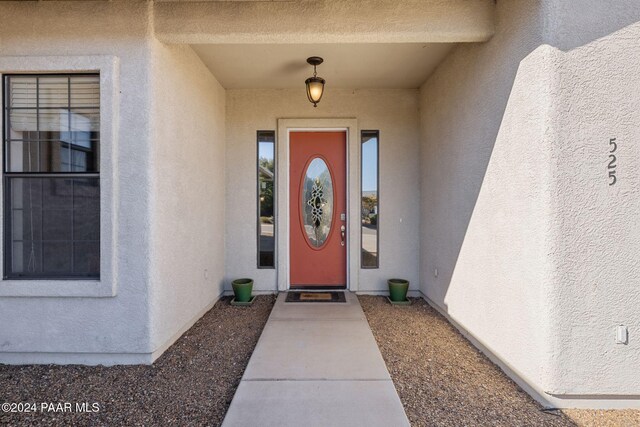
pixel 398 289
pixel 242 289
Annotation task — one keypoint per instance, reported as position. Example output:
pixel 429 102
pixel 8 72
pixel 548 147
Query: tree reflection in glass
pixel 369 200
pixel 266 213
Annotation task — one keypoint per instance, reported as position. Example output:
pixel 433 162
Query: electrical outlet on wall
pixel 622 334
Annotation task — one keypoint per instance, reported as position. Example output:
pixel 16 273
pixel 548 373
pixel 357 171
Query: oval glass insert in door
pixel 317 202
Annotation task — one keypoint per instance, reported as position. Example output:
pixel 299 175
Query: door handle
pixel 342 234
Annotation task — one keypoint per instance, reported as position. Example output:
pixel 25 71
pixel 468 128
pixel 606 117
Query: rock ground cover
pixel 604 418
pixel 191 384
pixel 443 380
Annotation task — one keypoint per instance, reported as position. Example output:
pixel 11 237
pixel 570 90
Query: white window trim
pixel 108 67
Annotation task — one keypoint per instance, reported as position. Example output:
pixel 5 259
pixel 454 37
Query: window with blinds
pixel 51 176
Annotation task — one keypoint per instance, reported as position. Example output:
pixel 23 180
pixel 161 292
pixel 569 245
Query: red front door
pixel 317 210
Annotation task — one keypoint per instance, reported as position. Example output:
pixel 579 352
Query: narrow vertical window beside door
pixel 266 201
pixel 369 199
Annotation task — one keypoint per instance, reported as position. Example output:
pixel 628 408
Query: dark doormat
pixel 315 297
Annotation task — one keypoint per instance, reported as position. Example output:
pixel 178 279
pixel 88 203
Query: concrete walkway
pixel 316 364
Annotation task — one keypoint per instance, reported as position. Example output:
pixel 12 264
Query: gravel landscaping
pixel 192 383
pixel 609 418
pixel 443 380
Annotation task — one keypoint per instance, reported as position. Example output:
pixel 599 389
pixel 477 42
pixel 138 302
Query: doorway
pixel 318 210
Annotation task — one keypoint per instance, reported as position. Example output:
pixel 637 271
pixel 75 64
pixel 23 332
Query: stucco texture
pixel 393 112
pixel 327 21
pixel 596 268
pixel 536 254
pixel 188 194
pixel 88 330
pixel 166 182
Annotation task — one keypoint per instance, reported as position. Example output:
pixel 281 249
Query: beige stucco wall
pixel 536 253
pixel 188 194
pixel 393 112
pixel 165 184
pixel 325 21
pixel 596 246
pixel 76 329
pixel 485 188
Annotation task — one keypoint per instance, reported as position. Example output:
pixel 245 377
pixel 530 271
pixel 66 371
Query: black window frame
pixel 8 175
pixel 368 133
pixel 272 134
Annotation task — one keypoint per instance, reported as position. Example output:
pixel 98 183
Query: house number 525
pixel 612 161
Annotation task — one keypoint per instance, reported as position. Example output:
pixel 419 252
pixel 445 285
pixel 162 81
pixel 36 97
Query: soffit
pixel 353 66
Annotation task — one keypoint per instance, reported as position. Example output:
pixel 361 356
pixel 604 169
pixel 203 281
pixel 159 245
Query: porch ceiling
pixel 353 66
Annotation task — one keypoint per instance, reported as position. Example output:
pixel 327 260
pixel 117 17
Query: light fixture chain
pixel 315 84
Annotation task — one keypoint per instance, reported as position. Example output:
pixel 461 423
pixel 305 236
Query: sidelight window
pixel 369 212
pixel 266 198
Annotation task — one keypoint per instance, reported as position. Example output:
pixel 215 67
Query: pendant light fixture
pixel 315 84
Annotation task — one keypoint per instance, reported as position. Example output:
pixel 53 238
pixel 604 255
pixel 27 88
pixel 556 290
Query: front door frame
pixel 285 127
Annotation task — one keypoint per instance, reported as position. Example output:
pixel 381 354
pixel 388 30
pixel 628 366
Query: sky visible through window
pixel 370 165
pixel 369 154
pixel 266 150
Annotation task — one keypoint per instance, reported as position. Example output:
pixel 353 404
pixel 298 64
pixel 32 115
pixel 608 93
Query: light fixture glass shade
pixel 315 88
